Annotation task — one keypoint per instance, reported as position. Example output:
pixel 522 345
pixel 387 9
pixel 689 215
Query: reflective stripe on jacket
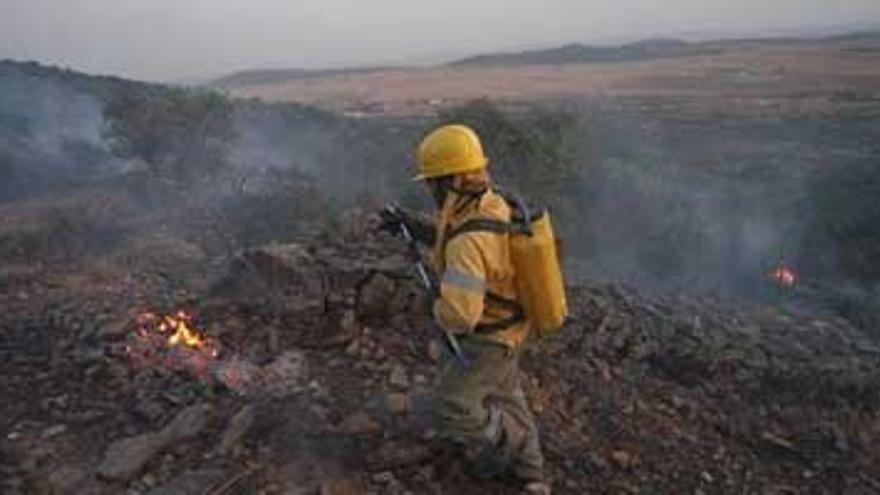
pixel 474 264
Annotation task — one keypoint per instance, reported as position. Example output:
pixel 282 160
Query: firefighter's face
pixel 439 188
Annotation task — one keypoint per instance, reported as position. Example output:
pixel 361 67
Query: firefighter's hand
pixel 392 217
pixel 390 220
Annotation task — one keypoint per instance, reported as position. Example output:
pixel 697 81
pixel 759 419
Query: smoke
pixel 347 159
pixel 708 207
pixel 697 205
pixel 671 230
pixel 50 132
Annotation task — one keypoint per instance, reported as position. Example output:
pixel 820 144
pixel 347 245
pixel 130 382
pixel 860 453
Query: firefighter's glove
pixel 420 226
pixel 390 220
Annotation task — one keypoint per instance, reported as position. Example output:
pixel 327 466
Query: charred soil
pixel 636 395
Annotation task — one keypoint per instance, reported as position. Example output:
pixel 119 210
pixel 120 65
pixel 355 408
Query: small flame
pixel 783 276
pixel 185 335
pixel 173 342
pixel 181 330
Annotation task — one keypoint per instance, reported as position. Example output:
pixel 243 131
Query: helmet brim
pixel 480 166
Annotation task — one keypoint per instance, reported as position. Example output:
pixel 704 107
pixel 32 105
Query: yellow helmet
pixel 450 150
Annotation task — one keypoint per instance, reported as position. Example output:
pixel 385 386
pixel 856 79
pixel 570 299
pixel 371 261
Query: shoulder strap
pixel 480 225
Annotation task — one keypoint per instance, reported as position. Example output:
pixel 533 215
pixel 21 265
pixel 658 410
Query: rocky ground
pixel 664 395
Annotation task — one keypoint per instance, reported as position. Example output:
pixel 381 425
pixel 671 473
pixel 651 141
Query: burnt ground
pixel 637 395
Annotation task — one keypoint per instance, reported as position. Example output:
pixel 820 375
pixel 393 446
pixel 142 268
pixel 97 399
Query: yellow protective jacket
pixel 478 294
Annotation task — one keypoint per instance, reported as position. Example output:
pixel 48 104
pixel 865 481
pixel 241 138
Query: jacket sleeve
pixel 462 287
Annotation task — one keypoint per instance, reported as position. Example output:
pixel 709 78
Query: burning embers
pixel 173 343
pixel 178 331
pixel 783 277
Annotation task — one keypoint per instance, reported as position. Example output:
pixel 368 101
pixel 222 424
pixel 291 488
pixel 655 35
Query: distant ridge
pixel 574 53
pixel 271 76
pixel 645 50
pixel 101 86
pixel 580 53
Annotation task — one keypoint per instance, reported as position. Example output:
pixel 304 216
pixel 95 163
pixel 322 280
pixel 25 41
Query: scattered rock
pixel 356 224
pixel 187 424
pixel 384 477
pixel 342 487
pixel 375 296
pixel 163 251
pixel 190 482
pixel 353 349
pixel 394 455
pixel 149 480
pixel 398 377
pixel 398 403
pixel 622 459
pixel 359 424
pixel 435 351
pixel 124 459
pixel 273 342
pixel 285 376
pixel 284 276
pixel 150 410
pixel 237 428
pixel 115 329
pixel 54 431
pixel 349 323
pixel 70 479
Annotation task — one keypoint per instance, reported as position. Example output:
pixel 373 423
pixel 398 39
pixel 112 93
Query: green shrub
pixel 846 205
pixel 539 152
pixel 67 230
pixel 277 213
pixel 180 134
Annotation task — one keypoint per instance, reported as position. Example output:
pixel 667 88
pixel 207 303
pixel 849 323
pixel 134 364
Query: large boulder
pixel 126 458
pixel 286 277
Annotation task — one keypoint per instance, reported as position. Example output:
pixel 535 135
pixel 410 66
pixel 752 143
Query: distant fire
pixel 783 277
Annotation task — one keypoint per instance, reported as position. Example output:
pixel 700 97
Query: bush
pixel 846 205
pixel 180 134
pixel 67 230
pixel 539 153
pixel 276 213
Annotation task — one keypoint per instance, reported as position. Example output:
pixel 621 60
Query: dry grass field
pixel 796 77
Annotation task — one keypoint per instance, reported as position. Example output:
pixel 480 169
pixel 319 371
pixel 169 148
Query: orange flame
pixel 177 329
pixel 783 276
pixel 173 342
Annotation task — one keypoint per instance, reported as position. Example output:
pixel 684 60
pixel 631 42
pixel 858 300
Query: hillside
pixel 579 53
pixel 748 73
pixel 15 76
pixel 654 49
pixel 273 76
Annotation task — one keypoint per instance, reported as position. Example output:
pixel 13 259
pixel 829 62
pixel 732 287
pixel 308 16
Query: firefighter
pixel 482 409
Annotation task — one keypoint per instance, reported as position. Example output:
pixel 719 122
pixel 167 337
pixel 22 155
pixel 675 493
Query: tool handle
pixel 448 338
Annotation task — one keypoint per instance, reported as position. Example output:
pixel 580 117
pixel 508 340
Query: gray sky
pixel 174 39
